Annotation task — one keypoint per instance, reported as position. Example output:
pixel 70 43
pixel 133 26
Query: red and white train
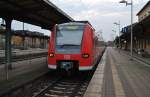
pixel 73 45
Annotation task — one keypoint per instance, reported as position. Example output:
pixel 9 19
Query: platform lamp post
pixel 118 24
pixel 115 34
pixel 131 4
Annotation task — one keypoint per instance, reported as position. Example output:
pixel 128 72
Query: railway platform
pixel 22 72
pixel 119 76
pixel 138 57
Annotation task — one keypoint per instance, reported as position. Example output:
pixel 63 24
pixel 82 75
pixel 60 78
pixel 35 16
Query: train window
pixel 69 38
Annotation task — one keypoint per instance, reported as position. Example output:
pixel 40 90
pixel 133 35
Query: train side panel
pixel 52 60
pixel 87 48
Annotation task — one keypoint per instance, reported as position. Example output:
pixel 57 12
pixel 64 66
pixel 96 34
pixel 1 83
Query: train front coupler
pixel 66 66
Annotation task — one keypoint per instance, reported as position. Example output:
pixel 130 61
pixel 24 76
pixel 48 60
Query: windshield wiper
pixel 68 45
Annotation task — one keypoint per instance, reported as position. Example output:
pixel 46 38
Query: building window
pixel 148 41
pixel 145 43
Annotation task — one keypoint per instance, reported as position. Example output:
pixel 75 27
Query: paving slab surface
pixel 118 76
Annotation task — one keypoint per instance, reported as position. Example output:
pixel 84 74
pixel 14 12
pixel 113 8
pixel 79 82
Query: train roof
pixel 85 22
pixel 78 23
pixel 71 23
pixel 82 22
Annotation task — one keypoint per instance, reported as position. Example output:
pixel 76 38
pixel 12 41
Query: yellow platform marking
pixel 119 91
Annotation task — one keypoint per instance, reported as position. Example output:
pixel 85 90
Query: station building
pixel 24 39
pixel 141 32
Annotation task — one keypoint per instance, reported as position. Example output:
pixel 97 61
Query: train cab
pixel 72 46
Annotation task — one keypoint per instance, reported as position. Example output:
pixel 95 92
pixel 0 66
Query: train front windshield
pixel 69 39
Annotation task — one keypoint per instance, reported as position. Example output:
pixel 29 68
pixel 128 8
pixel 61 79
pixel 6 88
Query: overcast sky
pixel 101 13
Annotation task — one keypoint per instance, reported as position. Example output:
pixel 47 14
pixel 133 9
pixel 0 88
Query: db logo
pixel 67 57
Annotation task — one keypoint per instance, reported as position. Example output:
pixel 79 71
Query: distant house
pixel 2 38
pixel 24 39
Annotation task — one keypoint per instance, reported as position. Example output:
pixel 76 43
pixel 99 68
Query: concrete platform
pixel 137 56
pixel 118 76
pixel 22 72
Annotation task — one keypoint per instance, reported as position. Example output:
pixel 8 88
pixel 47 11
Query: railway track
pixel 53 85
pixel 65 87
pixel 16 58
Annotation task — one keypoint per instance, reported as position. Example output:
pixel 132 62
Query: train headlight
pixel 51 55
pixel 85 55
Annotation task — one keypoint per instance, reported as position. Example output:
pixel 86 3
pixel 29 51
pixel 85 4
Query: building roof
pixel 127 29
pixel 28 33
pixel 42 13
pixel 144 7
